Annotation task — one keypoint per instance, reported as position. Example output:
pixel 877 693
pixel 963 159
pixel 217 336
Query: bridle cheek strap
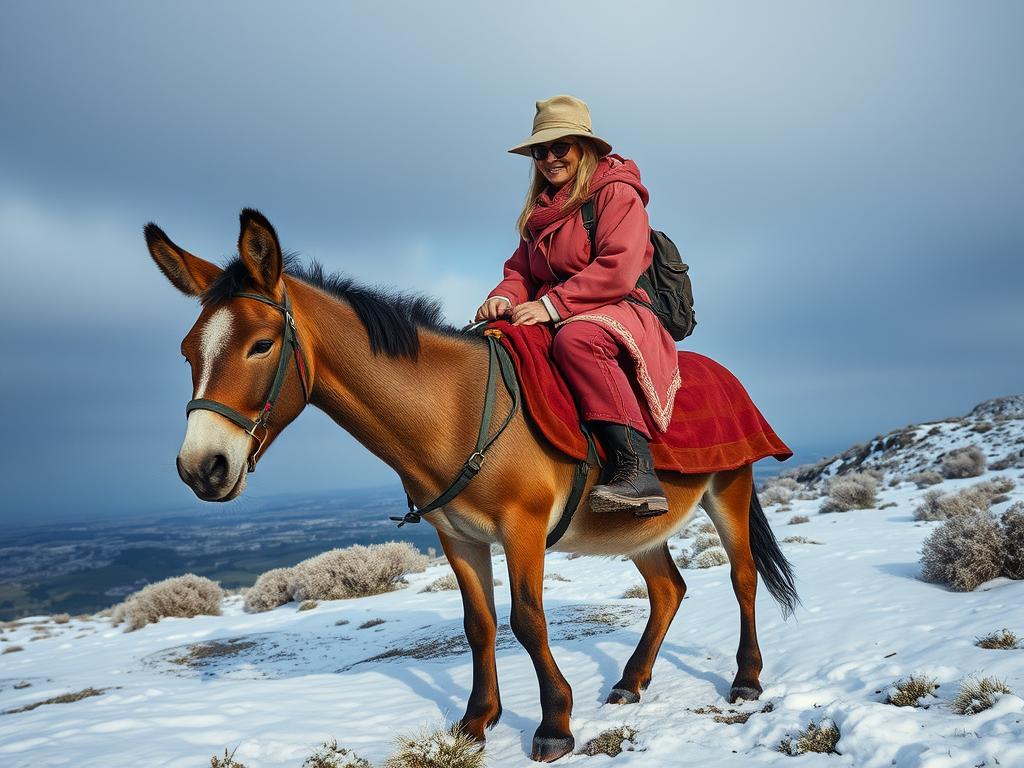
pixel 289 339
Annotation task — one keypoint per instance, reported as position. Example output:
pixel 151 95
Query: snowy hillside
pixel 273 686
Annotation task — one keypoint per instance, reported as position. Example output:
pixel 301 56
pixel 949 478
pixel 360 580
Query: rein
pixel 289 338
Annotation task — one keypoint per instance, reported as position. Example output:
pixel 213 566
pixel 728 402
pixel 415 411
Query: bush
pixel 964 552
pixel 308 605
pixel 822 737
pixel 1003 640
pixel 963 462
pixel 942 506
pixel 926 478
pixel 913 691
pixel 269 591
pixel 976 695
pixel 1011 460
pixel 854 490
pixel 181 596
pixel 442 748
pixel 711 557
pixel 355 571
pixel 609 742
pixel 61 618
pixel 636 591
pixel 798 519
pixel 371 623
pixel 330 755
pixel 1012 527
pixel 705 541
pixel 442 584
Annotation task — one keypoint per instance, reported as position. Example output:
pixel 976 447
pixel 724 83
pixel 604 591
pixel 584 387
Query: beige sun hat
pixel 561 116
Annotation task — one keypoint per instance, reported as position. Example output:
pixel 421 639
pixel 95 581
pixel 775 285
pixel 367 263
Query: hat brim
pixel 551 134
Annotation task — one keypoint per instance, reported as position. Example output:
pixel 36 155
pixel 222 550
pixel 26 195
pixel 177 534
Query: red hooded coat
pixel 556 262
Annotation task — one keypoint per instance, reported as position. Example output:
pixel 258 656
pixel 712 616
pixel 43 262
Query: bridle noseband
pixel 289 337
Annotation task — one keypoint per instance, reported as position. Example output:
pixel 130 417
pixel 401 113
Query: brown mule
pixel 410 389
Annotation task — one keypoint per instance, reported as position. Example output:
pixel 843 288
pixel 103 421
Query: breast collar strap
pixel 257 428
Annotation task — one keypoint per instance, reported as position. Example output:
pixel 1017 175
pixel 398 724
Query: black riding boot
pixel 632 484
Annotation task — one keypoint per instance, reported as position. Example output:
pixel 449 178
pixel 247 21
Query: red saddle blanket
pixel 715 425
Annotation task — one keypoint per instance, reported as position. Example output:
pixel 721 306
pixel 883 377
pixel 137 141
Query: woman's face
pixel 559 170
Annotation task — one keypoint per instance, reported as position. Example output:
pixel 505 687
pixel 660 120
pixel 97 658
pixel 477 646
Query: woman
pixel 608 348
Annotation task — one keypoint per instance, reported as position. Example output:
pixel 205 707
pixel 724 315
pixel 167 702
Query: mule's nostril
pixel 217 469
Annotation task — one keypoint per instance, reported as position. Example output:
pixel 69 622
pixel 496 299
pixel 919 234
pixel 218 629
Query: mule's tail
pixel 773 566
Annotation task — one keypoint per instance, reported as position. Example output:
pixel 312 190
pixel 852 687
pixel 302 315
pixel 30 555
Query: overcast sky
pixel 845 180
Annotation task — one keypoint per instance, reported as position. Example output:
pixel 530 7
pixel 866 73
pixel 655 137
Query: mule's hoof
pixel 622 696
pixel 743 692
pixel 547 749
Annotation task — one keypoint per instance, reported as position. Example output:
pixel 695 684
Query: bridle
pixel 289 338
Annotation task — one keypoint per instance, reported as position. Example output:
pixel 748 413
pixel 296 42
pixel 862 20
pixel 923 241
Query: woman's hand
pixel 530 313
pixel 493 309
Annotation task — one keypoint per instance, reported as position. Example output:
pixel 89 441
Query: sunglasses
pixel 559 149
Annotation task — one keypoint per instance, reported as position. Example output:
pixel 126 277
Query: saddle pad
pixel 715 425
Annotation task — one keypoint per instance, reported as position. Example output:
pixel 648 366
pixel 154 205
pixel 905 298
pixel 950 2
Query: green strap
pixel 497 358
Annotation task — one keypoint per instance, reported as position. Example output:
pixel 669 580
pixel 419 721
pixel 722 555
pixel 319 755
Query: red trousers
pixel 594 364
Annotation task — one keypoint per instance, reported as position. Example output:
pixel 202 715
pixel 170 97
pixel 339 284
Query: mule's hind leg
pixel 472 565
pixel 727 502
pixel 665 587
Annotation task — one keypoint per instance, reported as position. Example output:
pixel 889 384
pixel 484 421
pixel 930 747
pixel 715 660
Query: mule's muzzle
pixel 210 478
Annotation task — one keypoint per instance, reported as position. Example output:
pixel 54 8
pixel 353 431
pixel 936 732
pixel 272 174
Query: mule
pixel 409 388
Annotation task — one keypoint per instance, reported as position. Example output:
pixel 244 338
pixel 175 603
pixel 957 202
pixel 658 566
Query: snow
pixel 296 679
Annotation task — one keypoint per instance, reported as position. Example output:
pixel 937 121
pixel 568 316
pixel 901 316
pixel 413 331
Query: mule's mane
pixel 392 318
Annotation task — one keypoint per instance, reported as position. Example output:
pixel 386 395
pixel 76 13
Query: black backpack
pixel 666 281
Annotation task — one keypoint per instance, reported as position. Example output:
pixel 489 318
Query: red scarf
pixel 547 209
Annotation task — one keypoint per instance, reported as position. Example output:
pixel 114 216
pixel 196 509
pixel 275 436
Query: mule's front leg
pixel 525 555
pixel 472 565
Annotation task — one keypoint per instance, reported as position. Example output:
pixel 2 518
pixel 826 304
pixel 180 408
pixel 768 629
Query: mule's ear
pixel 189 274
pixel 259 249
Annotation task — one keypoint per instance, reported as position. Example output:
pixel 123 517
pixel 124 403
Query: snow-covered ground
pixel 282 682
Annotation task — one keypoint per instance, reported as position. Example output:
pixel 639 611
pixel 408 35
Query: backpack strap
pixel 590 223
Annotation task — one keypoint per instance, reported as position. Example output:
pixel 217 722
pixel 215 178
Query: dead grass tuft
pixel 65 698
pixel 799 519
pixel 912 691
pixel 821 737
pixel 926 478
pixel 711 557
pixel 441 748
pixel 636 591
pixel 442 584
pixel 13 649
pixel 228 761
pixel 800 540
pixel 330 755
pixel 308 605
pixel 1004 639
pixel 977 695
pixel 371 623
pixel 610 742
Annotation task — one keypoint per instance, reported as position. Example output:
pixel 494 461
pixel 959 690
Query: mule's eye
pixel 261 347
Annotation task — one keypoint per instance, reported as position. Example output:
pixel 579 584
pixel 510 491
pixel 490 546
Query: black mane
pixel 392 318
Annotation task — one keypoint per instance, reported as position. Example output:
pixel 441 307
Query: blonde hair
pixel 580 185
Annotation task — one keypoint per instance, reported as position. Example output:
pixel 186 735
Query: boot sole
pixel 644 506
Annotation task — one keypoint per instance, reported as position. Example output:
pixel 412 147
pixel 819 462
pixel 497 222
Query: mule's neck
pixel 414 414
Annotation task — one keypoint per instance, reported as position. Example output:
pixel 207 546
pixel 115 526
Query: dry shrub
pixel 609 742
pixel 977 695
pixel 1012 526
pixel 822 737
pixel 926 478
pixel 355 571
pixel 371 623
pixel 964 552
pixel 1011 460
pixel 942 506
pixel 442 584
pixel 711 557
pixel 968 461
pixel 799 540
pixel 996 486
pixel 441 748
pixel 269 591
pixel 308 605
pixel 180 596
pixel 637 590
pixel 854 490
pixel 913 691
pixel 705 541
pixel 61 618
pixel 799 519
pixel 330 755
pixel 1003 640
pixel 13 649
pixel 228 761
